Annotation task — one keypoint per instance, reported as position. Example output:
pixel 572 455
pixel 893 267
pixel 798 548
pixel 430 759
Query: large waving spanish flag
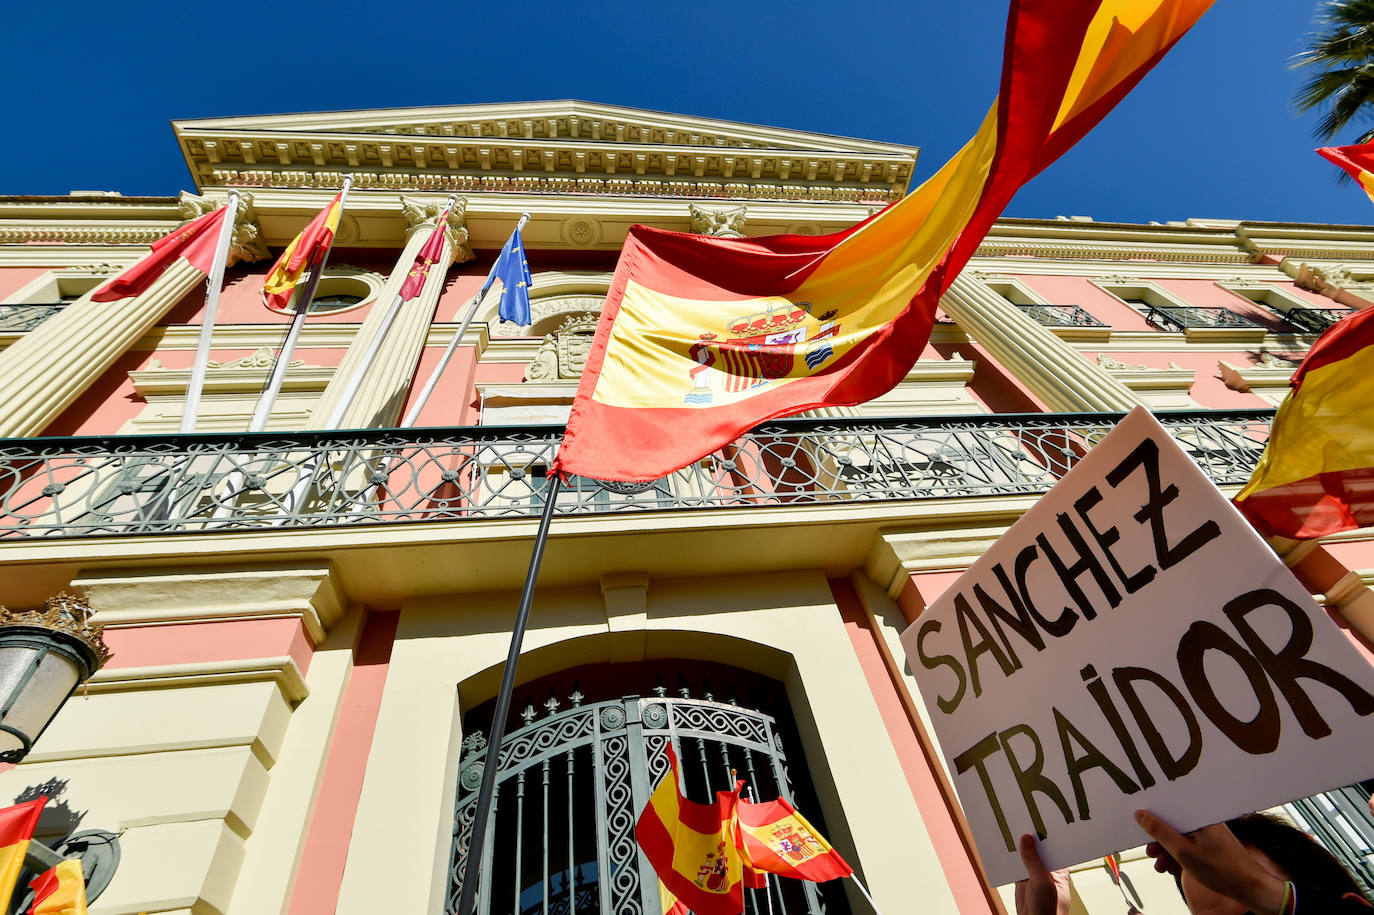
pixel 196 242
pixel 702 338
pixel 1316 476
pixel 692 847
pixel 315 238
pixel 1357 161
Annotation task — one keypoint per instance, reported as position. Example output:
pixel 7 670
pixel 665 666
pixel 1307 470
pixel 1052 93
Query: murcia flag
pixel 693 848
pixel 195 241
pixel 60 890
pixel 304 248
pixel 16 829
pixel 702 338
pixel 1316 476
pixel 1357 161
pixel 427 257
pixel 778 840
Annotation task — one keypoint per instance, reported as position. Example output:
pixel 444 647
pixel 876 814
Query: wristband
pixel 1290 899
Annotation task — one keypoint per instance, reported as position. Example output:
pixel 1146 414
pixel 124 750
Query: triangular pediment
pixel 563 146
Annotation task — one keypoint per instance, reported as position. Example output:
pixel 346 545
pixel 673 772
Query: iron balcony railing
pixel 1061 315
pixel 80 487
pixel 1314 320
pixel 22 318
pixel 1182 318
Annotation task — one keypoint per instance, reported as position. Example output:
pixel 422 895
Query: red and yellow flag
pixel 315 238
pixel 692 847
pixel 60 890
pixel 1357 161
pixel 776 839
pixel 1316 475
pixel 427 257
pixel 194 241
pixel 16 829
pixel 702 338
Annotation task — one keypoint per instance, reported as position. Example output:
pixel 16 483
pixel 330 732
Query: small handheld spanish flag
pixel 16 829
pixel 314 239
pixel 692 847
pixel 776 839
pixel 60 890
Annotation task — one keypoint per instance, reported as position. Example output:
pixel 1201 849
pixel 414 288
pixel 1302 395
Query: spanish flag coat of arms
pixel 702 338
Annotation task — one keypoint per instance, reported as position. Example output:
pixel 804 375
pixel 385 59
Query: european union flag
pixel 513 271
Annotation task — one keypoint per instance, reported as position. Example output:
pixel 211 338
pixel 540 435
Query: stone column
pixel 1054 371
pixel 384 388
pixel 53 364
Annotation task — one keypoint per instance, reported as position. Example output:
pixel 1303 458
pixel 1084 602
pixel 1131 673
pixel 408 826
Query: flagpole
pixel 864 890
pixel 355 383
pixel 467 901
pixel 191 410
pixel 307 297
pixel 413 413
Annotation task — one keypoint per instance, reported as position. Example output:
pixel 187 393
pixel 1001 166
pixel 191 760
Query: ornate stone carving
pixel 580 231
pixel 246 243
pixel 1113 365
pixel 543 309
pixel 96 269
pixel 544 366
pixel 421 212
pixel 1273 360
pixel 722 222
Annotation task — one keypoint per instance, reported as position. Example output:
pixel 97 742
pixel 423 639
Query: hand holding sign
pixel 1198 656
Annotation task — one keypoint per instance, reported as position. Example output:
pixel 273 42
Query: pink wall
pixel 199 643
pixel 1079 290
pixel 15 278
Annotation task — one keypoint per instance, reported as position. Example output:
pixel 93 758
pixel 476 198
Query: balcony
pixel 22 318
pixel 1061 315
pixel 1314 320
pixel 1184 318
pixel 84 487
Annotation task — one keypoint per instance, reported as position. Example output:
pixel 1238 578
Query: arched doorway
pixel 577 767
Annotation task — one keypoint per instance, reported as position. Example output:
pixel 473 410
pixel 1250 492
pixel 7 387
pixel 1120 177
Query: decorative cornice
pixel 82 235
pixel 441 182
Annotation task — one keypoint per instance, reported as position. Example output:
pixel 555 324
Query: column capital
pixel 423 212
pixel 247 243
pixel 722 222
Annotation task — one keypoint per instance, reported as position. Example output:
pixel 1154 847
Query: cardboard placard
pixel 1131 642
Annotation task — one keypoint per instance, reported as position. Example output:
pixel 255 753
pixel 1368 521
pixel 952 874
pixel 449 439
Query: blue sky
pixel 1211 133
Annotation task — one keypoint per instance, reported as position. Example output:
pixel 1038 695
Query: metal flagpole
pixel 413 413
pixel 191 410
pixel 268 399
pixel 307 298
pixel 355 383
pixel 467 901
pixel 864 890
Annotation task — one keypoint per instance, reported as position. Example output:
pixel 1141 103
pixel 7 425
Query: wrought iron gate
pixel 571 785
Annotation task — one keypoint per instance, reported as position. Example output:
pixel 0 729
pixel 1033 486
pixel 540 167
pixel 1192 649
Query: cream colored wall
pixel 782 625
pixel 206 769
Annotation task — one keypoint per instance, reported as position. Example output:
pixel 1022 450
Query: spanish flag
pixel 702 338
pixel 776 839
pixel 196 241
pixel 60 890
pixel 693 848
pixel 16 828
pixel 314 239
pixel 1316 476
pixel 1358 162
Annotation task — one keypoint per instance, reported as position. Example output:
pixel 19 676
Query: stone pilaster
pixel 383 391
pixel 53 364
pixel 1054 371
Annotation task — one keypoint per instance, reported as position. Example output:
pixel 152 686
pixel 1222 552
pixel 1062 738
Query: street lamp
pixel 45 653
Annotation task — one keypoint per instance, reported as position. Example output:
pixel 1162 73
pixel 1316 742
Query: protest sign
pixel 1130 643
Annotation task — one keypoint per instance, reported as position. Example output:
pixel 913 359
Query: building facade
pixel 309 625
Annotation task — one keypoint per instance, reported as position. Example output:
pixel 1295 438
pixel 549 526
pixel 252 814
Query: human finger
pixel 1030 857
